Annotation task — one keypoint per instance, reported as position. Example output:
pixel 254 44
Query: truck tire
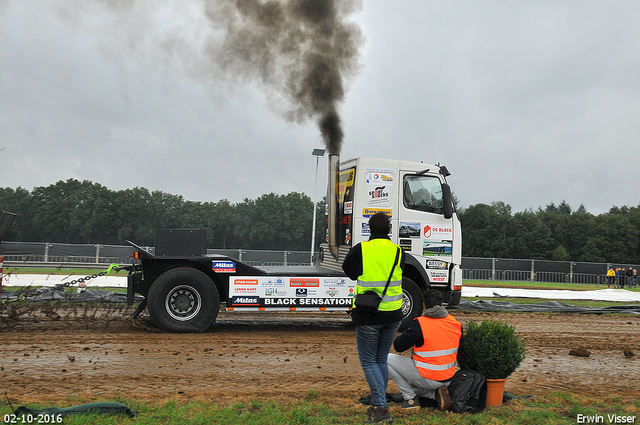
pixel 412 303
pixel 183 300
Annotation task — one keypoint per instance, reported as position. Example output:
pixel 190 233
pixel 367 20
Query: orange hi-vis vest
pixel 436 358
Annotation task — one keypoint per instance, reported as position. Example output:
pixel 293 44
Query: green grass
pixel 554 408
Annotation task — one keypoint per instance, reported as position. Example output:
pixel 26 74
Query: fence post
pixel 1 271
pixel 493 269
pixel 570 271
pixel 97 253
pixel 285 258
pixel 46 252
pixel 533 270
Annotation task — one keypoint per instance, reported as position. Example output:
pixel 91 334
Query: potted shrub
pixel 494 349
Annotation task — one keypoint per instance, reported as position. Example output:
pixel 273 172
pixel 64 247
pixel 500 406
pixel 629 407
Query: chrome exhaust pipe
pixel 332 204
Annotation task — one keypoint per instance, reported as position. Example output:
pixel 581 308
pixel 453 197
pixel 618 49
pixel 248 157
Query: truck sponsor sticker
pixel 376 176
pixel 348 207
pixel 436 248
pixel 409 229
pixel 438 276
pixel 435 264
pixel 437 232
pixel 245 281
pixel 275 281
pixel 332 282
pixel 366 232
pixel 304 282
pixel 245 301
pixel 274 292
pixel 307 302
pixel 437 240
pixel 379 196
pixel 265 291
pixel 224 266
pixel 368 212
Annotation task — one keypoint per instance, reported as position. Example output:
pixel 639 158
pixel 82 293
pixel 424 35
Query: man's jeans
pixel 404 373
pixel 374 343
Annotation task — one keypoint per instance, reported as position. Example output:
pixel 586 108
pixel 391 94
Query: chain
pixel 113 268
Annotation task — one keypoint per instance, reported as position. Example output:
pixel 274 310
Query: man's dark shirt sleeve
pixel 352 264
pixel 409 338
pixel 413 337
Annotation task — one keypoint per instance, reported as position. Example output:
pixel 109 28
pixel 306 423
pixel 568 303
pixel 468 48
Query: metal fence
pixel 490 269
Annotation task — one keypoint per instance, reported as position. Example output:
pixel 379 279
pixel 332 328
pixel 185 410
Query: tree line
pixel 552 233
pixel 75 211
pixel 84 212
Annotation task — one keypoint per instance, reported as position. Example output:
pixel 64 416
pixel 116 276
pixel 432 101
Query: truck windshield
pixel 423 193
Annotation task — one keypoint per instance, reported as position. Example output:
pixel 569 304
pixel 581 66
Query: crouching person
pixel 435 338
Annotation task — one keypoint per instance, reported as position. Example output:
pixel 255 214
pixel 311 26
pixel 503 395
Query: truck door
pixel 422 228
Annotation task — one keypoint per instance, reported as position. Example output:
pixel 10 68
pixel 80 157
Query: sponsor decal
pixel 366 232
pixel 276 281
pixel 224 266
pixel 438 276
pixel 435 264
pixel 244 300
pixel 245 281
pixel 304 282
pixel 437 232
pixel 307 302
pixel 409 230
pixel 436 248
pixel 301 292
pixel 332 292
pixel 437 240
pixel 243 290
pixel 348 207
pixel 333 282
pixel 379 177
pixel 274 292
pixel 406 244
pixel 379 196
pixel 368 212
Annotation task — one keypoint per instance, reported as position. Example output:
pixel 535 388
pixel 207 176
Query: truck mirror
pixel 447 199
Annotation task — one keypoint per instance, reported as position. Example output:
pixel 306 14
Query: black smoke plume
pixel 306 51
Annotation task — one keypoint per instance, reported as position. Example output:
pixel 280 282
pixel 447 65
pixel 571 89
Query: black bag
pixel 370 301
pixel 468 391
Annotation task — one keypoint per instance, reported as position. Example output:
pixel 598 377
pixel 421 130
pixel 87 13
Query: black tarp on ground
pixel 53 413
pixel 59 294
pixel 548 307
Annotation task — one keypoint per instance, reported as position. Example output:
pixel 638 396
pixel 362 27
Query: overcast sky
pixel 525 102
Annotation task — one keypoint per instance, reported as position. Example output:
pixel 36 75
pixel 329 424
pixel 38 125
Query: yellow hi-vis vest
pixel 377 260
pixel 436 358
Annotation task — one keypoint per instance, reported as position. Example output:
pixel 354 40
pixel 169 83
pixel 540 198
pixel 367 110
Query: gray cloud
pixel 525 102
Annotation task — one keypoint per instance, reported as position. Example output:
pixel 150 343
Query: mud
pixel 289 355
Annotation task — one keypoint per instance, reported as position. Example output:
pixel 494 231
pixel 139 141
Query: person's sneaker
pixel 443 399
pixel 414 403
pixel 380 415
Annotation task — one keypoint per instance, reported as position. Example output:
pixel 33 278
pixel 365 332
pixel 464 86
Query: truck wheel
pixel 183 300
pixel 412 303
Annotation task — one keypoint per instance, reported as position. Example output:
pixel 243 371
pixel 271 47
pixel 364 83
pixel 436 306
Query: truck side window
pixel 422 193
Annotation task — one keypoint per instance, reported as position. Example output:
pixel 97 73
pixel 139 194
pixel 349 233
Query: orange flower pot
pixel 495 391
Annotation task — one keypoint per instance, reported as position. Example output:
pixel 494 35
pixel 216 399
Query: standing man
pixel 372 263
pixel 435 338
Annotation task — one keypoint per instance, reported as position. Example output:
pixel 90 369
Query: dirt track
pixel 284 355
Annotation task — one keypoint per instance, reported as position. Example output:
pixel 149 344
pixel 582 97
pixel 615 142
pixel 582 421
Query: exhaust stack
pixel 332 204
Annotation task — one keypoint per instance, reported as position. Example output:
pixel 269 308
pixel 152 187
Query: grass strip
pixel 553 408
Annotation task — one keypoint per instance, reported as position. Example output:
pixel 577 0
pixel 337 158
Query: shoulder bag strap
pixel 391 274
